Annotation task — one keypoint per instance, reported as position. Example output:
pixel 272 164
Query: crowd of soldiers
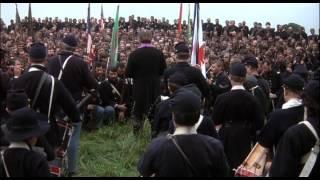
pixel 260 84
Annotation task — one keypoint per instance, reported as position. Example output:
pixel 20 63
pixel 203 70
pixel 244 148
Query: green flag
pixel 115 41
pixel 189 25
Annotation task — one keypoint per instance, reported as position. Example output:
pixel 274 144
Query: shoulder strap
pixel 310 127
pixel 171 137
pixel 115 89
pixel 42 80
pixel 199 121
pixel 312 155
pixel 4 163
pixel 51 97
pixel 63 66
pixel 252 90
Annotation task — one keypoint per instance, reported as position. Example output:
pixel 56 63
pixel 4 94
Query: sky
pixel 305 14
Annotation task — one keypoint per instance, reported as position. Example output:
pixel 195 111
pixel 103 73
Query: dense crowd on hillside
pixel 261 83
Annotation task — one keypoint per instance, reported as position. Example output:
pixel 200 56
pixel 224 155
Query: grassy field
pixel 112 150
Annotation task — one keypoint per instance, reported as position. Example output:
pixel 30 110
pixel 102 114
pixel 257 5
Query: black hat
pixel 25 123
pixel 181 47
pixel 38 51
pixel 70 40
pixel 251 61
pixel 16 99
pixel 238 69
pixel 185 102
pixel 294 82
pixel 192 88
pixel 300 69
pixel 178 78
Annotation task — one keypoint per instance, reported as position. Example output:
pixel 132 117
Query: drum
pixel 254 164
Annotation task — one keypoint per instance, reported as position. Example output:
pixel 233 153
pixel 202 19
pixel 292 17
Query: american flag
pixel 198 45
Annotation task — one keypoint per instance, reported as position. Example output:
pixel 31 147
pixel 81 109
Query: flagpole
pixel 189 25
pixel 179 21
pixel 114 40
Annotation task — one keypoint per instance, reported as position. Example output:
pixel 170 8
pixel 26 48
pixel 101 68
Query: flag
pixel 179 21
pixel 18 22
pixel 198 44
pixel 30 29
pixel 88 29
pixel 102 19
pixel 189 25
pixel 114 40
pixel 90 52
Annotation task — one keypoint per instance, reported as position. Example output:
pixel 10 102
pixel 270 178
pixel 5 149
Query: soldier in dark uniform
pixel 114 96
pixel 298 140
pixel 162 113
pixel 268 30
pixel 313 36
pixel 245 29
pixel 218 28
pixel 291 113
pixel 220 83
pixel 145 66
pixel 208 27
pixel 205 154
pixel 75 75
pixel 163 118
pixel 4 85
pixel 11 26
pixel 253 30
pixel 22 130
pixel 238 116
pixel 275 82
pixel 57 94
pixel 17 99
pixel 182 65
pixel 251 64
pixel 121 70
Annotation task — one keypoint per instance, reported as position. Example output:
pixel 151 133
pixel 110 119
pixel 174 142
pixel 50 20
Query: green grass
pixel 112 150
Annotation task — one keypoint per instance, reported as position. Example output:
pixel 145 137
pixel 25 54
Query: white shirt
pixel 19 145
pixel 188 130
pixel 34 68
pixel 185 130
pixel 294 102
pixel 237 87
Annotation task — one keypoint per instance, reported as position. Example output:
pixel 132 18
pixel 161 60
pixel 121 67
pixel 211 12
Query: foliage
pixel 112 150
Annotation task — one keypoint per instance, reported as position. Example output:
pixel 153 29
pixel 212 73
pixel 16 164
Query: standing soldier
pixel 260 87
pixel 192 74
pixel 22 131
pixel 145 65
pixel 220 83
pixel 301 140
pixel 74 73
pixel 291 113
pixel 185 153
pixel 237 115
pixel 46 98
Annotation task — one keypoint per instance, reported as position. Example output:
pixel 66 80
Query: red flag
pixel 180 19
